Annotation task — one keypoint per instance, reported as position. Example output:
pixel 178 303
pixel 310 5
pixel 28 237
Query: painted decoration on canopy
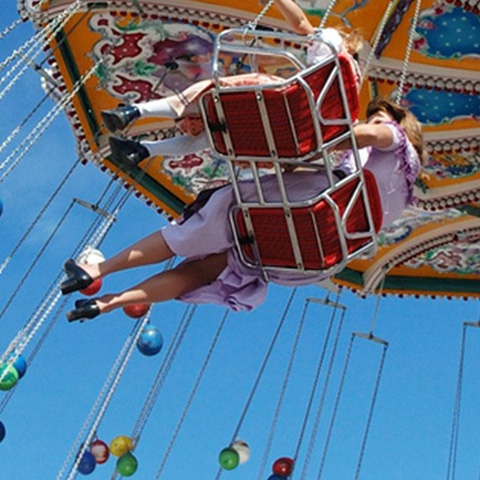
pixel 145 59
pixel 460 258
pixel 161 48
pixel 436 107
pixel 448 31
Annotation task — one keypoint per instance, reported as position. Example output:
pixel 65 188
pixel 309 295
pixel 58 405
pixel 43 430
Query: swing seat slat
pixel 273 243
pixel 289 113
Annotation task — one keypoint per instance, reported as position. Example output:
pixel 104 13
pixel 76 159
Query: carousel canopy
pixel 114 52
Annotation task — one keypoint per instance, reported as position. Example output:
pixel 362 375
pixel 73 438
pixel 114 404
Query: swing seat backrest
pixel 273 241
pixel 289 114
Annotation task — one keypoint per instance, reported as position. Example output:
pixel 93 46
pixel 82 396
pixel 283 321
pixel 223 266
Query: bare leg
pixel 148 250
pixel 168 285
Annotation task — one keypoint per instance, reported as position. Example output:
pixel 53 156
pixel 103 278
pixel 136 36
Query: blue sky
pixel 410 432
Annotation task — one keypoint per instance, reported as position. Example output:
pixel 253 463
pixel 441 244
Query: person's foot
pixel 77 278
pixel 84 309
pixel 118 118
pixel 127 153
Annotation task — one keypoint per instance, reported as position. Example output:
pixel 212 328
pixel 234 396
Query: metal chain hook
pixel 253 24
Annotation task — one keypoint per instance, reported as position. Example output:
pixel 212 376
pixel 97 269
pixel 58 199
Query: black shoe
pixel 127 153
pixel 84 309
pixel 120 117
pixel 78 278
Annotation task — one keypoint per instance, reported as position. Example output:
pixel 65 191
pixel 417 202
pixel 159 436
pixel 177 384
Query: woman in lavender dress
pixel 391 148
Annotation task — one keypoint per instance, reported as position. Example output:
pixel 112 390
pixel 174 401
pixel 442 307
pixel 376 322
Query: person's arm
pixel 295 17
pixel 369 135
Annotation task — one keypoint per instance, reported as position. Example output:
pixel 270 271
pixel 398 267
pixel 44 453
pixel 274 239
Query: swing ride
pixel 102 53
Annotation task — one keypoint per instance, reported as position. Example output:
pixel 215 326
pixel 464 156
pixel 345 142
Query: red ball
pixel 100 451
pixel 283 466
pixel 93 288
pixel 136 311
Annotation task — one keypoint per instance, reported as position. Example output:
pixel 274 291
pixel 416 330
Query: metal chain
pixel 45 36
pixel 403 75
pixel 11 27
pixel 452 454
pixel 161 374
pixel 36 260
pixel 17 129
pixel 370 413
pixel 312 394
pixel 192 395
pixel 42 126
pixel 316 422
pixel 335 406
pixel 273 427
pixel 37 218
pixel 378 37
pixel 327 13
pixel 253 24
pixel 261 371
pixel 106 392
pixel 34 352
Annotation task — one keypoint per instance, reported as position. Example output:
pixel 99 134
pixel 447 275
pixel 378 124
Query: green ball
pixel 9 378
pixel 127 465
pixel 229 458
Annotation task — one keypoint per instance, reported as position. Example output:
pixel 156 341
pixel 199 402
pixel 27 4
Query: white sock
pixel 156 108
pixel 183 145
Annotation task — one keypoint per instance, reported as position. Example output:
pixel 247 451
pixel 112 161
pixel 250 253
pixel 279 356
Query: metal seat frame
pixel 252 43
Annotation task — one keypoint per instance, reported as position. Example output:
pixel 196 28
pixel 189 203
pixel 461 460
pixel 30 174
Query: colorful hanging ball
pixel 100 451
pixel 136 311
pixel 19 364
pixel 91 255
pixel 229 459
pixel 150 341
pixel 87 464
pixel 276 477
pixel 10 376
pixel 121 445
pixel 242 449
pixel 127 465
pixel 283 466
pixel 3 431
pixel 93 288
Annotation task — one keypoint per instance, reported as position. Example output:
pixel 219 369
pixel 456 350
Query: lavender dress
pixel 208 231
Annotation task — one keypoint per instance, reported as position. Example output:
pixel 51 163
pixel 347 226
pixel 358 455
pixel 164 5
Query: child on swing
pixel 391 147
pixel 184 107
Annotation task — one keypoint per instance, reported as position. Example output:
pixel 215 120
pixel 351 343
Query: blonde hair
pixel 406 119
pixel 352 40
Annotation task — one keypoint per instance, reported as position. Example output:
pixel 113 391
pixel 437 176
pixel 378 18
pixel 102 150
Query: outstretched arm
pixel 369 135
pixel 295 17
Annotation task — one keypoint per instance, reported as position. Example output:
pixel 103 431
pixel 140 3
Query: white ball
pixel 242 449
pixel 90 256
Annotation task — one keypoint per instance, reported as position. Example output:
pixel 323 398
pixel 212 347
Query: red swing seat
pixel 294 121
pixel 317 229
pixel 289 112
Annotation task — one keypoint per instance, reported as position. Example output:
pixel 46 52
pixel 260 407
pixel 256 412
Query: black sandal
pixel 78 278
pixel 84 309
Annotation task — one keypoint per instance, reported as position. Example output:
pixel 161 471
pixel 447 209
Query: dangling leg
pixel 159 288
pixel 175 106
pixel 120 117
pixel 148 250
pixel 129 153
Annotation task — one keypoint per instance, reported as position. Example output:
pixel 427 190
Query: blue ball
pixel 3 431
pixel 150 341
pixel 1 208
pixel 20 365
pixel 87 464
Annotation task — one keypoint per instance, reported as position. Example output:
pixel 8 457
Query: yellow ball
pixel 121 445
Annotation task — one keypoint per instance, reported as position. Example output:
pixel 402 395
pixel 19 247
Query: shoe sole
pixel 111 122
